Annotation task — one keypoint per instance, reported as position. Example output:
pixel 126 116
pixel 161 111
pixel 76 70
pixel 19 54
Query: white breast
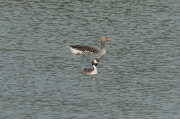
pixel 95 70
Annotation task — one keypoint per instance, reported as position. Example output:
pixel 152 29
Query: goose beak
pixel 109 39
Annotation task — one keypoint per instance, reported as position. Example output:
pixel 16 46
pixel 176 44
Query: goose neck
pixel 102 45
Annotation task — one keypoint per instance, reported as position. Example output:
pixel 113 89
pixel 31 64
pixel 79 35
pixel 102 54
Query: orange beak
pixel 109 39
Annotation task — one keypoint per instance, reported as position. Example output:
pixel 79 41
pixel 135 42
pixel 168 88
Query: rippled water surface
pixel 138 77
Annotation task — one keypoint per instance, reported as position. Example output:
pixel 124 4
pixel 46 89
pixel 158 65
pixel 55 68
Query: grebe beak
pixel 97 60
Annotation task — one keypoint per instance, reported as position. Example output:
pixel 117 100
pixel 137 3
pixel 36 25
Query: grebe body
pixel 91 70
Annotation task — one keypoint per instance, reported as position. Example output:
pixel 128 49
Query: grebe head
pixel 95 62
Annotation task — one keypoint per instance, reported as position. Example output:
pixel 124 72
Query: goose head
pixel 104 39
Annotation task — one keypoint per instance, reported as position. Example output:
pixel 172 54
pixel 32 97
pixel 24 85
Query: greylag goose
pixel 87 50
pixel 91 70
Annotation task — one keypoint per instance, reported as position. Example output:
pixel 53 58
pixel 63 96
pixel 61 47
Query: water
pixel 138 77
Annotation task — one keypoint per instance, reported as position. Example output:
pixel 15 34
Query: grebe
pixel 91 70
pixel 87 50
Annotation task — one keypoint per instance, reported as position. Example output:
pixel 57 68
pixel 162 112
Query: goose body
pixel 87 50
pixel 91 70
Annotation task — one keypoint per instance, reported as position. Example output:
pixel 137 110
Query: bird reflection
pixel 94 77
pixel 102 57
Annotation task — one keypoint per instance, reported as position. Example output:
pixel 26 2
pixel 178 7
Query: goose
pixel 91 70
pixel 87 50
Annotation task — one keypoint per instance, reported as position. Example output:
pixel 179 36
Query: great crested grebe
pixel 91 70
pixel 87 50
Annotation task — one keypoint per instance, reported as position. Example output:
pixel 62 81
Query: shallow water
pixel 138 77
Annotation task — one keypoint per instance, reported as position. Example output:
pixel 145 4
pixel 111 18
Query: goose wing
pixel 84 48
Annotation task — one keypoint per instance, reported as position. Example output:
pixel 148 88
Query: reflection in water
pixel 94 77
pixel 102 57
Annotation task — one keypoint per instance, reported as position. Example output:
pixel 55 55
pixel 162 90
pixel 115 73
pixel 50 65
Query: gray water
pixel 137 78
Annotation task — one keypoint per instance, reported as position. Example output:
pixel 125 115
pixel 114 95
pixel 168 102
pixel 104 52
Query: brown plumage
pixel 84 48
pixel 87 50
pixel 87 70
